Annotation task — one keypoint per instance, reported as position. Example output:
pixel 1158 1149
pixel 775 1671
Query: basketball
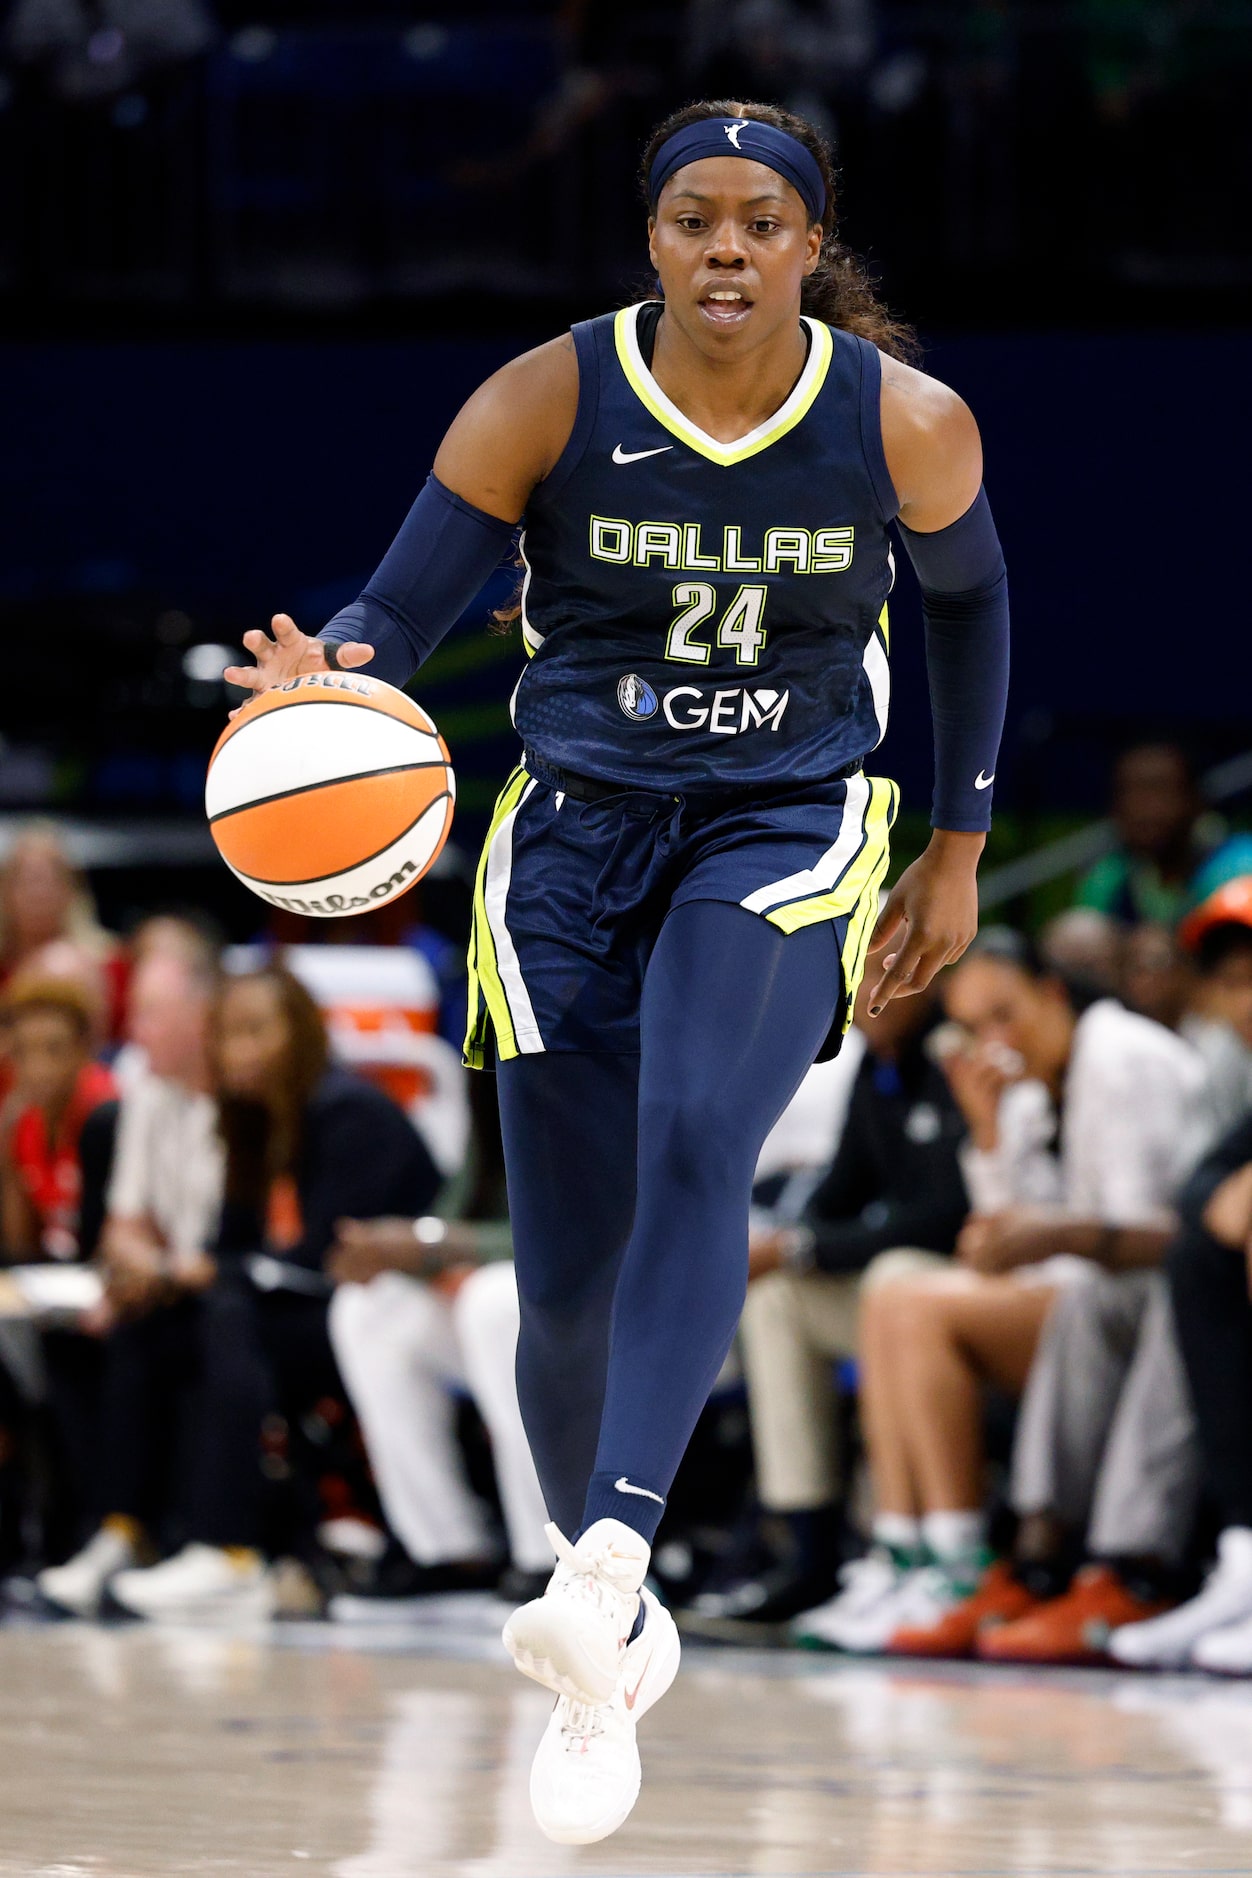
pixel 330 794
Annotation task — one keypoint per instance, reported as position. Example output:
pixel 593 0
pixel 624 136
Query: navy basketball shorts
pixel 571 895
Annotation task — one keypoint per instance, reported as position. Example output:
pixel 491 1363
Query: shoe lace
pixel 587 1575
pixel 582 1721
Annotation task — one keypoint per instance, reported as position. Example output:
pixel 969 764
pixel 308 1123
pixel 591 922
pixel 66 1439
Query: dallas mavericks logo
pixel 733 130
pixel 636 698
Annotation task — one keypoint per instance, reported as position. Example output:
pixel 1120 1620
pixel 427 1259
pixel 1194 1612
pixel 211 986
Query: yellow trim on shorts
pixel 856 894
pixel 488 1005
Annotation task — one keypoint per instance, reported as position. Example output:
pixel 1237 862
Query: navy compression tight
pixel 629 1184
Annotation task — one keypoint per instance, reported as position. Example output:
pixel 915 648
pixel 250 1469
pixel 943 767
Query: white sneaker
pixel 915 1600
pixel 865 1583
pixel 572 1638
pixel 1228 1652
pixel 79 1584
pixel 1168 1642
pixel 199 1581
pixel 585 1777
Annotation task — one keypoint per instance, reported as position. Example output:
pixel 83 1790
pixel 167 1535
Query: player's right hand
pixel 289 654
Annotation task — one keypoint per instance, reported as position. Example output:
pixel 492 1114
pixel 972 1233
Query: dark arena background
pixel 253 258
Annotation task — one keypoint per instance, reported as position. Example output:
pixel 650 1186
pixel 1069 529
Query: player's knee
pixel 696 1136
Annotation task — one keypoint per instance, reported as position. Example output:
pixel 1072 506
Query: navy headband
pixel 745 137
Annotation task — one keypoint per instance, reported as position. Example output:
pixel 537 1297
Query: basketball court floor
pixel 404 1754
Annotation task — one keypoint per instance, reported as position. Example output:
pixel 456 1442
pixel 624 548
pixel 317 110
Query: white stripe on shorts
pixel 496 880
pixel 826 873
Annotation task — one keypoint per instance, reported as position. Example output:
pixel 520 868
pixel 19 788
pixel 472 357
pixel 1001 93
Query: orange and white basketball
pixel 330 794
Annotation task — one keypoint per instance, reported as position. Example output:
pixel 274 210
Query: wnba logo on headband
pixel 747 137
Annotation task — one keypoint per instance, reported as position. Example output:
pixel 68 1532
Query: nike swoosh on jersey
pixel 633 456
pixel 623 1486
pixel 984 782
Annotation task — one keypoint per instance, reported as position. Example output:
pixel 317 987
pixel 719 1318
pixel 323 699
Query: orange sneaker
pixel 1074 1628
pixel 998 1599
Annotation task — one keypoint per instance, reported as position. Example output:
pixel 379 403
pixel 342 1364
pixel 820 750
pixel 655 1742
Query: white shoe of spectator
pixel 1227 1652
pixel 79 1584
pixel 199 1581
pixel 867 1584
pixel 916 1600
pixel 1171 1641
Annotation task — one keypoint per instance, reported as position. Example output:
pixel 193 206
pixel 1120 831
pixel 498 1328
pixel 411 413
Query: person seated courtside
pixel 1106 1446
pixel 1081 1128
pixel 893 1200
pixel 305 1144
pixel 163 1204
pixel 422 1307
pixel 49 1025
pixel 1210 1278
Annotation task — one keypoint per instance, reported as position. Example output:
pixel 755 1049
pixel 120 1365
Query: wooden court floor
pixel 137 1753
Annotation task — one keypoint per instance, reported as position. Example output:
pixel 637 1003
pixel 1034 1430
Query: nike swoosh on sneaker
pixel 632 1695
pixel 633 456
pixel 624 1486
pixel 983 781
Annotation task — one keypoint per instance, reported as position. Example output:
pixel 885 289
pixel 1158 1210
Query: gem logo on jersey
pixel 636 698
pixel 728 711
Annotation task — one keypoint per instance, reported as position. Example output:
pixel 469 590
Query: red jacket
pixel 48 1169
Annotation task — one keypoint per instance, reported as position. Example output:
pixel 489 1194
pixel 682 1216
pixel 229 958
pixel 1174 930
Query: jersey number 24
pixel 739 627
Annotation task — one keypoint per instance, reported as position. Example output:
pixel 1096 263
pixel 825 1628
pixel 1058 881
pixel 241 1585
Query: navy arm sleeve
pixel 965 604
pixel 443 554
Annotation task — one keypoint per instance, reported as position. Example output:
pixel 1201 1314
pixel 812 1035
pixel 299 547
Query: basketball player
pixel 678 889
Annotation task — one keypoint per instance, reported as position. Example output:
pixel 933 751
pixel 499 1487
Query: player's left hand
pixel 289 654
pixel 930 917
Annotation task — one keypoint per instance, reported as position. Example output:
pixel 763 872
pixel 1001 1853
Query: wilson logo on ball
pixel 330 794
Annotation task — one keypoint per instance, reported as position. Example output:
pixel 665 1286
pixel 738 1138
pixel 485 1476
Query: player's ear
pixel 816 236
pixel 652 239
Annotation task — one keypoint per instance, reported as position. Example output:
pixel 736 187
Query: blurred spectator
pixel 1155 979
pixel 163 1205
pixel 892 1200
pixel 55 1146
pixel 1230 860
pixel 1104 1453
pixel 1203 990
pixel 1085 947
pixel 1156 811
pixel 1080 1128
pixel 56 1086
pixel 305 1145
pixel 1218 937
pixel 166 1187
pixel 1104 1459
pixel 1210 1275
pixel 43 899
pixel 424 1306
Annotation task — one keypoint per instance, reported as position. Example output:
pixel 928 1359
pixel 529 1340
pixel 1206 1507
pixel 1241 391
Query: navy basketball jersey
pixel 702 615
